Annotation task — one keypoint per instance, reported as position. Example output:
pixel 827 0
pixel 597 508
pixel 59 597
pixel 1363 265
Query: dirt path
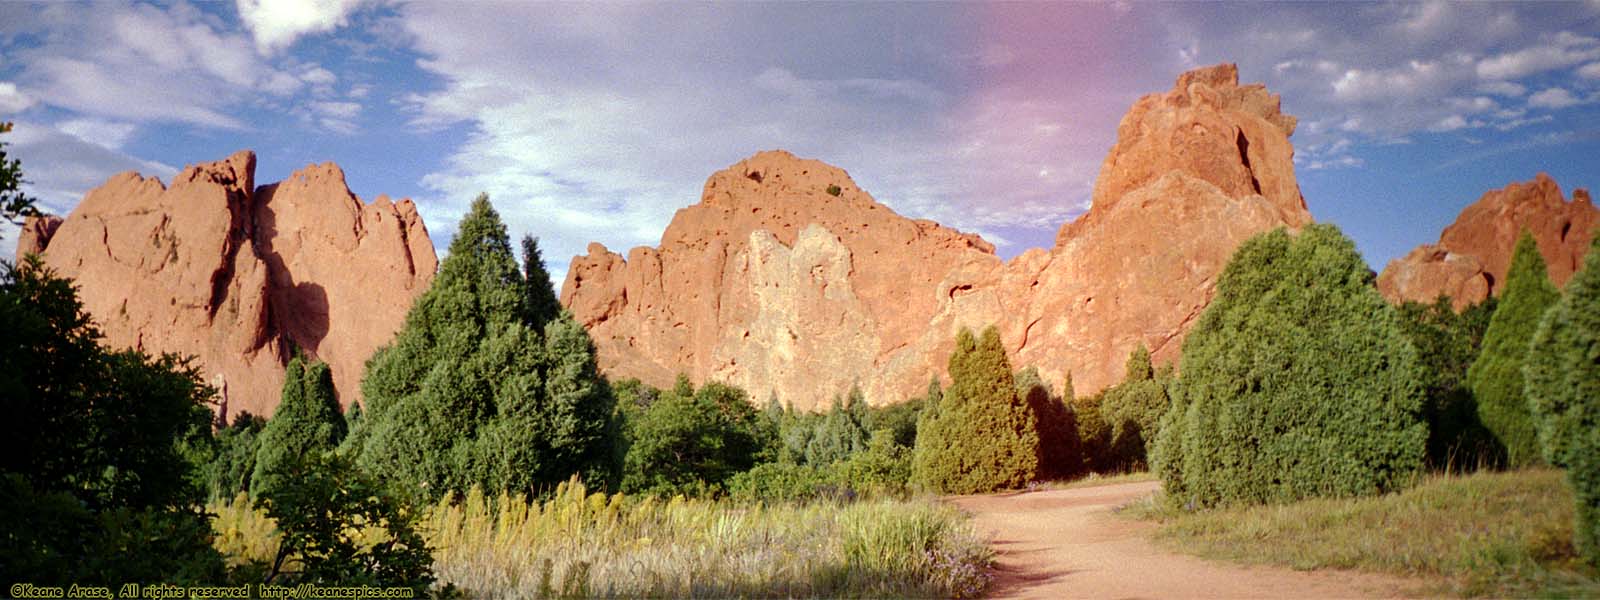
pixel 1067 544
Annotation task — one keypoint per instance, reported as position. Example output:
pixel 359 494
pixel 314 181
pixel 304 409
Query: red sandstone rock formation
pixel 774 284
pixel 238 276
pixel 1469 263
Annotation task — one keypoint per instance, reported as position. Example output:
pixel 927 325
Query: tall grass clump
pixel 1500 534
pixel 583 544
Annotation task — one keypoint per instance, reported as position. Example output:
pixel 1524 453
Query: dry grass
pixel 1497 534
pixel 579 544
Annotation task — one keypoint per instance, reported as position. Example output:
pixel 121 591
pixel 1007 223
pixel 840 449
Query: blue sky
pixel 597 122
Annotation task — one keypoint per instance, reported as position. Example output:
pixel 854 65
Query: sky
pixel 596 122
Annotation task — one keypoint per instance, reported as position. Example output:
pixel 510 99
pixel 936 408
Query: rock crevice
pixel 240 276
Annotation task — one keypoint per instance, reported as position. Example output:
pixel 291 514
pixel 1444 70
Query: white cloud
pixel 62 167
pixel 140 63
pixel 1560 51
pixel 1503 88
pixel 1590 71
pixel 109 134
pixel 1552 98
pixel 339 110
pixel 608 142
pixel 276 24
pixel 13 100
pixel 1450 123
pixel 316 75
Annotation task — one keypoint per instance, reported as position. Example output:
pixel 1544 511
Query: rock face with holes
pixel 782 283
pixel 239 276
pixel 1470 261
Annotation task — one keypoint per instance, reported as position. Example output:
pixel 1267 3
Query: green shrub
pixel 1563 365
pixel 883 468
pixel 1296 382
pixel 982 437
pixel 1563 391
pixel 833 190
pixel 779 482
pixel 1496 376
pixel 326 511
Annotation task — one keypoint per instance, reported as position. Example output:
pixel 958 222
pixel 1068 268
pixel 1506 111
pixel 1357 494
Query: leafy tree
pixel 1447 342
pixel 473 391
pixel 14 205
pixel 1496 376
pixel 1563 391
pixel 93 462
pixel 1133 409
pixel 324 513
pixel 983 437
pixel 307 422
pixel 692 442
pixel 899 421
pixel 1058 436
pixel 1297 382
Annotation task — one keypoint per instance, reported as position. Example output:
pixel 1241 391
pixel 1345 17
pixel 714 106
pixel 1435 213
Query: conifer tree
pixel 542 304
pixel 1496 377
pixel 1058 436
pixel 1133 409
pixel 474 392
pixel 1297 381
pixel 307 423
pixel 984 437
pixel 1563 390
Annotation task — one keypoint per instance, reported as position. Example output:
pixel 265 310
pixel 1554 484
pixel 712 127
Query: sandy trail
pixel 1067 544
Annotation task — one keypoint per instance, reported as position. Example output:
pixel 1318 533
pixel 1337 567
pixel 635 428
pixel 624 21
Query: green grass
pixel 1497 534
pixel 1099 479
pixel 579 544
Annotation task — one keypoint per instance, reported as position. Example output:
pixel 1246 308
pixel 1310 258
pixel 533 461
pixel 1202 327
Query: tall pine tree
pixel 1496 376
pixel 476 390
pixel 307 422
pixel 983 437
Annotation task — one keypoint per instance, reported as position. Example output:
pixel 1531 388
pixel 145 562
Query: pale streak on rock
pixel 775 285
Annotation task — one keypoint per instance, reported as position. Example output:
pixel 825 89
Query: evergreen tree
pixel 1447 342
pixel 1563 390
pixel 15 206
pixel 1133 409
pixel 473 392
pixel 983 437
pixel 1496 376
pixel 1058 435
pixel 307 422
pixel 542 304
pixel 1297 381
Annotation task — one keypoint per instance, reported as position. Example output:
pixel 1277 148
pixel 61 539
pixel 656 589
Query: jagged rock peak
pixel 240 276
pixel 1210 128
pixel 1470 260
